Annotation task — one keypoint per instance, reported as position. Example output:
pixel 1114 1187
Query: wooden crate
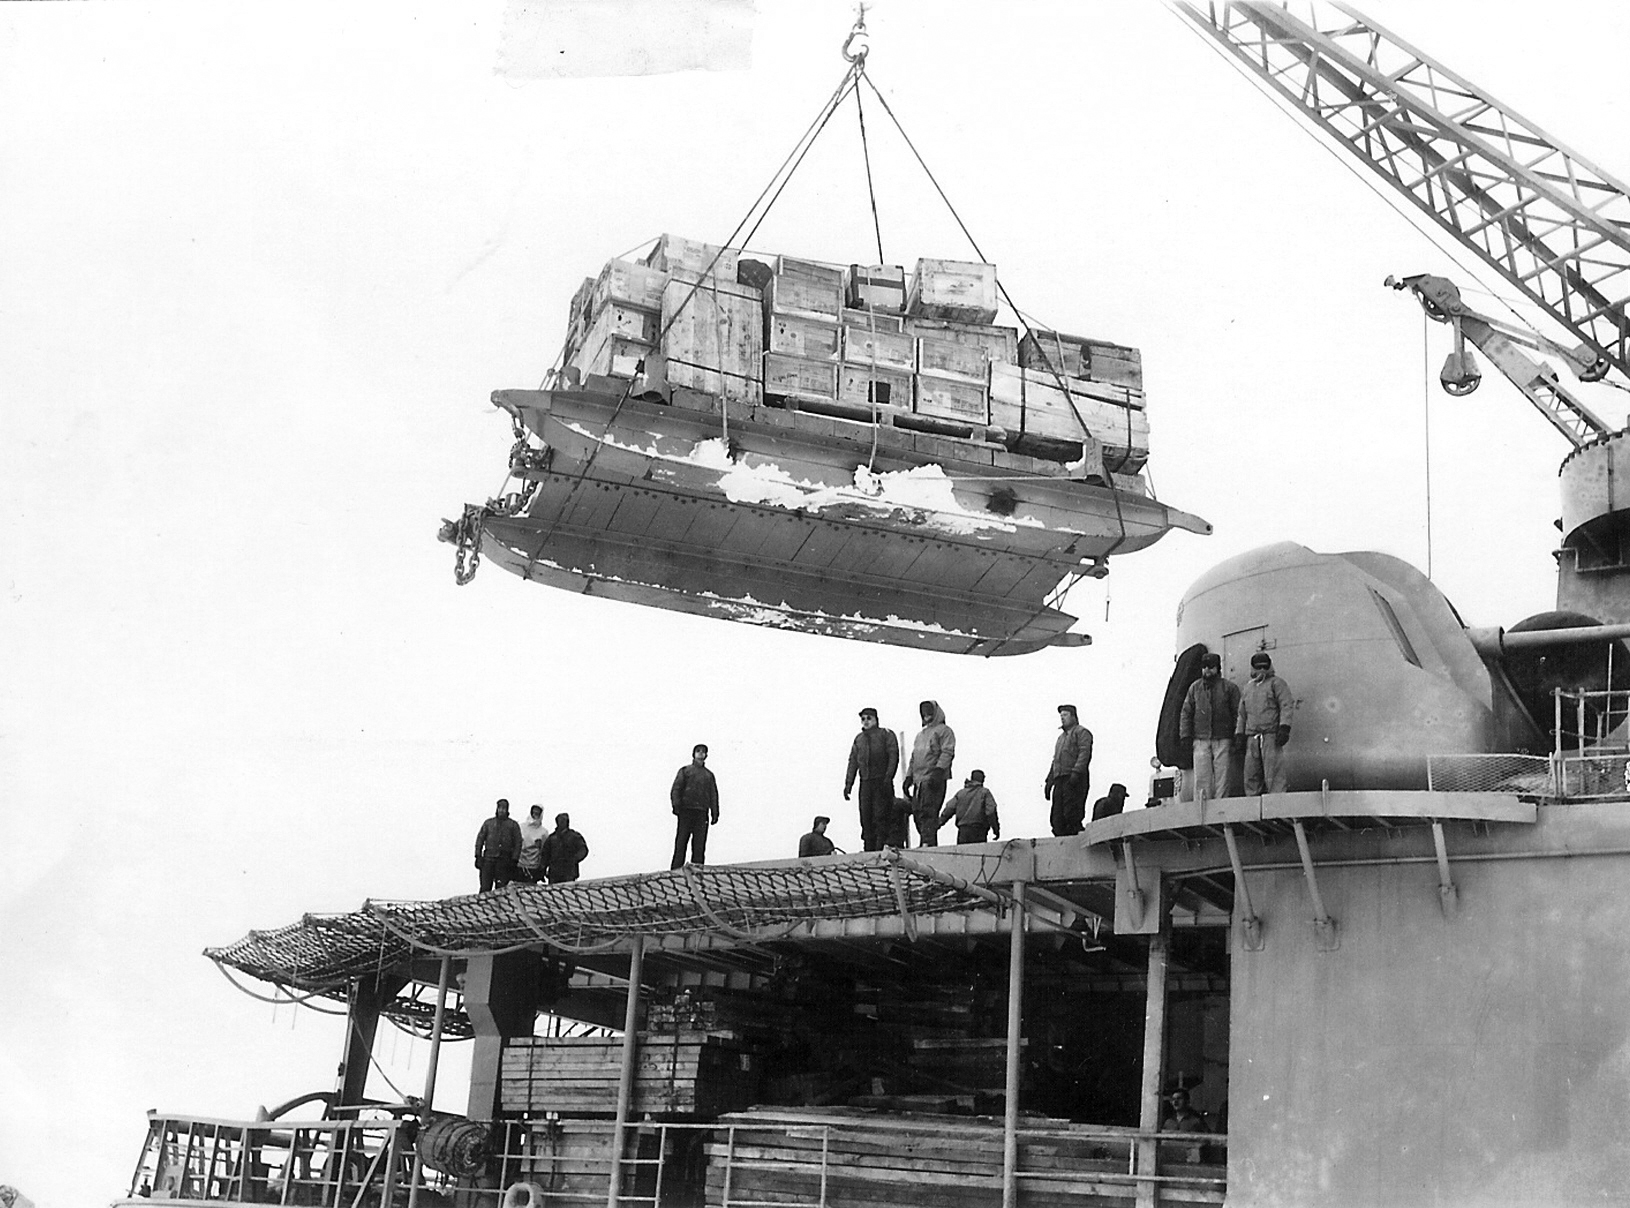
pixel 812 339
pixel 949 398
pixel 631 284
pixel 615 356
pixel 953 359
pixel 956 290
pixel 799 378
pixel 1053 350
pixel 878 287
pixel 687 1074
pixel 618 319
pixel 802 296
pixel 864 346
pixel 674 253
pixel 715 338
pixel 873 320
pixel 1080 357
pixel 1001 344
pixel 864 385
pixel 815 271
pixel 1115 363
pixel 1040 416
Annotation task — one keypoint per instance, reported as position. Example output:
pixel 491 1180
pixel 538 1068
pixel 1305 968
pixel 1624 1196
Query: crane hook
pixel 857 56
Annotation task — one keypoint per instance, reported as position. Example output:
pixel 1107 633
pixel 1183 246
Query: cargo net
pixel 741 903
pixel 1525 775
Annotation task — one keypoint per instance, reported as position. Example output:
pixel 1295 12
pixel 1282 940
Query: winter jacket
pixel 1210 709
pixel 562 852
pixel 1072 753
pixel 972 806
pixel 935 746
pixel 1265 705
pixel 814 844
pixel 695 789
pixel 498 839
pixel 874 755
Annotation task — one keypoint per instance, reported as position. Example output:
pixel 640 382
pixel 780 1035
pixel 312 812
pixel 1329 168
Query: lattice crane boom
pixel 1554 225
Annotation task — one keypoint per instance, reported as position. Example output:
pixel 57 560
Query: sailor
pixel 1069 775
pixel 562 851
pixel 1208 719
pixel 497 844
pixel 874 757
pixel 1114 803
pixel 899 833
pixel 1264 727
pixel 974 808
pixel 931 755
pixel 816 843
pixel 695 800
pixel 529 864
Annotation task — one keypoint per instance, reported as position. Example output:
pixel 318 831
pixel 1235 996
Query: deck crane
pixel 1554 225
pixel 1502 343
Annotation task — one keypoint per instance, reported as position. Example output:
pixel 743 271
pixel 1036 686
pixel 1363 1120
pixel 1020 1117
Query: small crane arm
pixel 1502 343
pixel 1553 224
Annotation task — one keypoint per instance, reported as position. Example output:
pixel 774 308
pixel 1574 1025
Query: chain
pixel 464 534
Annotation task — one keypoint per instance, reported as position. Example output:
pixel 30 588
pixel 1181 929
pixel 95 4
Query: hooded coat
pixel 935 746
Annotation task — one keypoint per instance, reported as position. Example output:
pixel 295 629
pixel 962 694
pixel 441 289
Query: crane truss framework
pixel 1551 223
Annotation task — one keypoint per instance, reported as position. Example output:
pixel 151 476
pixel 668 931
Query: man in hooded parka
pixel 930 771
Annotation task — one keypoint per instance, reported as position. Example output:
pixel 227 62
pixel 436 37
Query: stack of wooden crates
pixel 859 341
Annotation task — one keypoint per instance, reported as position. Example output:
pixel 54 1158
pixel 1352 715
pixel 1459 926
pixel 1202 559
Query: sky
pixel 261 267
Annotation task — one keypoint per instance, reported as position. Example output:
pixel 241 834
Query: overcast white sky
pixel 260 268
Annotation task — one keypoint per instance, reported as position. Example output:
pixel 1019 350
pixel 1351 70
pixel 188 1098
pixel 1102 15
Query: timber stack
pixel 863 342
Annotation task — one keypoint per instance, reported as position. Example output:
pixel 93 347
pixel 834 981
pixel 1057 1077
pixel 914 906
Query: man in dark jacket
pixel 974 808
pixel 816 843
pixel 1069 775
pixel 1209 716
pixel 695 800
pixel 1108 807
pixel 874 757
pixel 497 844
pixel 563 851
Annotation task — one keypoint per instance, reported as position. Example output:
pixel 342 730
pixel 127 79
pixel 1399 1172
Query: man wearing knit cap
pixel 1068 776
pixel 1264 727
pixel 874 757
pixel 931 755
pixel 816 843
pixel 497 844
pixel 1209 718
pixel 974 808
pixel 695 800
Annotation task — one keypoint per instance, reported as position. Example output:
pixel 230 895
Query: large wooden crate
pixel 715 337
pixel 1000 344
pixel 675 253
pixel 809 297
pixel 683 1074
pixel 629 283
pixel 960 291
pixel 876 287
pixel 868 346
pixel 799 377
pixel 1043 419
pixel 950 398
pixel 1080 357
pixel 812 339
pixel 867 385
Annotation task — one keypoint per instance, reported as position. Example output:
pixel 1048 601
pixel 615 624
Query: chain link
pixel 464 534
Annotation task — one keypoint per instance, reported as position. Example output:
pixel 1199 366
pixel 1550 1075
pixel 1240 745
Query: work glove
pixel 1281 738
pixel 713 820
pixel 478 861
pixel 906 786
pixel 846 794
pixel 1240 740
pixel 1047 789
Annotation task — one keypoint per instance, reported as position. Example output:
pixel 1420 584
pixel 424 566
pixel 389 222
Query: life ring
pixel 532 1193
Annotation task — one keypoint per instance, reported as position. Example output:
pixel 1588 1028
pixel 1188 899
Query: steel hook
pixel 859 31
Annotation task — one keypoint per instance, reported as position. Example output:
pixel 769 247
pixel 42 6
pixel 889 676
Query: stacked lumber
pixel 869 1160
pixel 686 1073
pixel 862 342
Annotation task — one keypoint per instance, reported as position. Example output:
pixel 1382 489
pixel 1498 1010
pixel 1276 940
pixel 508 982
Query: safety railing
pixel 767 1163
pixel 1529 775
pixel 1588 718
pixel 329 1163
pixel 1582 777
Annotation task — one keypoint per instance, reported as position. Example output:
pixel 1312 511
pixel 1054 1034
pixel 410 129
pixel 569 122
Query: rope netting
pixel 741 903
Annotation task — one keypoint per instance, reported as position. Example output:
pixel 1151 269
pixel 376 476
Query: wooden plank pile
pixel 869 1160
pixel 687 1073
pixel 860 342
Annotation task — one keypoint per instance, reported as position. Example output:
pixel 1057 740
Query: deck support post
pixel 1015 1021
pixel 1154 1064
pixel 1324 927
pixel 443 981
pixel 1448 895
pixel 625 1079
pixel 1249 923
